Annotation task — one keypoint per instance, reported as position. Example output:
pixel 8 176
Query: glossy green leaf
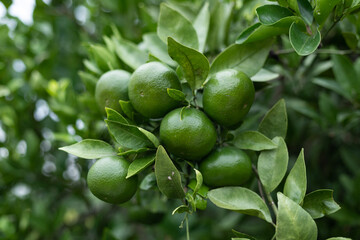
pixel 152 58
pixel 270 14
pixel 140 164
pixel 150 136
pixel 176 94
pixel 320 203
pixel 201 25
pixel 272 165
pixel 219 21
pixel 148 182
pixel 113 115
pixel 188 10
pixel 264 75
pixel 355 6
pixel 303 107
pixel 275 122
pixel 104 59
pixel 127 135
pixel 181 209
pixel 246 35
pixel 253 140
pixel 339 9
pixel 327 107
pixel 333 86
pixel 346 75
pixel 355 3
pixel 200 202
pixel 173 24
pixel 248 58
pixel 293 222
pixel 306 11
pixel 351 39
pixel 293 5
pixel 242 235
pixel 323 9
pixel 129 53
pixel 92 67
pixel 127 108
pixel 88 79
pixel 295 184
pixel 303 43
pixel 319 67
pixel 202 191
pixel 240 199
pixel 259 32
pixel 194 64
pixel 191 200
pixel 199 180
pixel 90 149
pixel 158 48
pixel 134 151
pixel 109 44
pixel 167 176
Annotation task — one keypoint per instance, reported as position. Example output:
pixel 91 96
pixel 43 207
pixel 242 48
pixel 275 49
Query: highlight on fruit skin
pixel 188 133
pixel 226 166
pixel 148 89
pixel 111 87
pixel 228 97
pixel 106 179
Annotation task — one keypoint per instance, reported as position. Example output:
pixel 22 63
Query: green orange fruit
pixel 228 96
pixel 188 133
pixel 226 166
pixel 112 87
pixel 148 89
pixel 107 180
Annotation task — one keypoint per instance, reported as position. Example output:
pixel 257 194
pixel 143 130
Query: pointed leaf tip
pixel 167 176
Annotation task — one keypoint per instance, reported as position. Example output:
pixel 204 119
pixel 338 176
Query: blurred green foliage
pixel 46 101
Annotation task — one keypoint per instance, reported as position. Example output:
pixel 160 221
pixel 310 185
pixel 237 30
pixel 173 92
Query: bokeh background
pixel 46 101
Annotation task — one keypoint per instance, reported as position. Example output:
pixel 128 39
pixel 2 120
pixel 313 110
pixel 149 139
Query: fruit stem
pixel 268 195
pixel 261 190
pixel 260 186
pixel 272 203
pixel 194 100
pixel 187 227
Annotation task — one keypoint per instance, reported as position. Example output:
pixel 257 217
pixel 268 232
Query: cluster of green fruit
pixel 186 130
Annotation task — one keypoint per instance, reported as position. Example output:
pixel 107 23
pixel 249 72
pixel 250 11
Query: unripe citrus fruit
pixel 228 96
pixel 226 166
pixel 148 89
pixel 112 87
pixel 107 180
pixel 188 133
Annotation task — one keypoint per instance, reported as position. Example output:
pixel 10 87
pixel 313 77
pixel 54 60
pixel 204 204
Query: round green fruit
pixel 226 166
pixel 228 96
pixel 188 133
pixel 112 87
pixel 148 89
pixel 107 180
